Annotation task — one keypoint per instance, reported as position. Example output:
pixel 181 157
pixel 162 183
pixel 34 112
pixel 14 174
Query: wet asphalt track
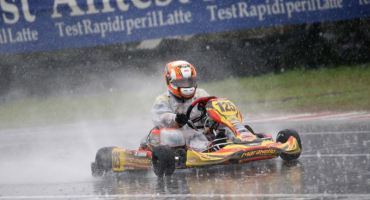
pixel 54 163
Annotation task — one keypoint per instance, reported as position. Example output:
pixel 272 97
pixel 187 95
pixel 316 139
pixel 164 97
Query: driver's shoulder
pixel 162 99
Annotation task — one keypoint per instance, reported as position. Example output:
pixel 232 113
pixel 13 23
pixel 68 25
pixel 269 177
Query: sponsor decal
pixel 141 153
pixel 192 160
pixel 138 160
pixel 247 138
pixel 262 152
pixel 130 168
pixel 249 154
pixel 238 126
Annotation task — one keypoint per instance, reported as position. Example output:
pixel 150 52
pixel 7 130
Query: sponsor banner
pixel 27 25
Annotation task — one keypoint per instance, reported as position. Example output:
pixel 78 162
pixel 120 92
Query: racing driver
pixel 169 108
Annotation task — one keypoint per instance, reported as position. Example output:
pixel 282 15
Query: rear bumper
pixel 127 160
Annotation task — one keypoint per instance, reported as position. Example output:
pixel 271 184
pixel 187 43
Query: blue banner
pixel 40 25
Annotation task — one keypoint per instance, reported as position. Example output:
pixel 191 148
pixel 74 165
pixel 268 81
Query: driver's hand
pixel 181 119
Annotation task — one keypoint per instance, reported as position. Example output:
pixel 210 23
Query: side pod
pixel 124 159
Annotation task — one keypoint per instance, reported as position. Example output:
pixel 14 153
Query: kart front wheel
pixel 103 162
pixel 163 160
pixel 283 137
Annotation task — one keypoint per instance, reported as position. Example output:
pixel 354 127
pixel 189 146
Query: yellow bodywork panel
pixel 123 159
pixel 118 159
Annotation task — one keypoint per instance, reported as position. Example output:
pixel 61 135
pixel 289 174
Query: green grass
pixel 339 89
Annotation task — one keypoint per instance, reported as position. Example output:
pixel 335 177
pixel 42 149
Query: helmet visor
pixel 185 82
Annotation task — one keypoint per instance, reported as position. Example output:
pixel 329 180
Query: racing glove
pixel 181 119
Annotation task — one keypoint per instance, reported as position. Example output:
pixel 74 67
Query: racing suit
pixel 164 111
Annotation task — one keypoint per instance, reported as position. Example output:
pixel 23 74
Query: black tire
pixel 163 160
pixel 103 162
pixel 94 170
pixel 283 137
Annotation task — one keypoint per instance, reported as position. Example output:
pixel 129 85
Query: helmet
pixel 181 79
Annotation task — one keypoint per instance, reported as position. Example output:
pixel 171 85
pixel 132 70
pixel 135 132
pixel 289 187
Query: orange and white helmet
pixel 181 79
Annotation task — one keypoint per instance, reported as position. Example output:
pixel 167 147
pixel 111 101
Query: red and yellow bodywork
pixel 125 160
pixel 246 147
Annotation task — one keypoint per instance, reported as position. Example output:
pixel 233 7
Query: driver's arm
pixel 162 114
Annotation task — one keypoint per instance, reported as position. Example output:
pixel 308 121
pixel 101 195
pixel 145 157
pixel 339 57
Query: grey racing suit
pixel 164 111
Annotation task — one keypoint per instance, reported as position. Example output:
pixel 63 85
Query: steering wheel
pixel 201 106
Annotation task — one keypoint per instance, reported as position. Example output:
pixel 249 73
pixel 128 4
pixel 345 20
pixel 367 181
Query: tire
pixel 103 162
pixel 283 137
pixel 163 160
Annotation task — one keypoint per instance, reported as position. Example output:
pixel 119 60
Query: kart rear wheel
pixel 103 162
pixel 283 137
pixel 163 160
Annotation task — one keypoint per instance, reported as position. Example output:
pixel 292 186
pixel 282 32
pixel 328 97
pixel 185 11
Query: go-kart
pixel 166 150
